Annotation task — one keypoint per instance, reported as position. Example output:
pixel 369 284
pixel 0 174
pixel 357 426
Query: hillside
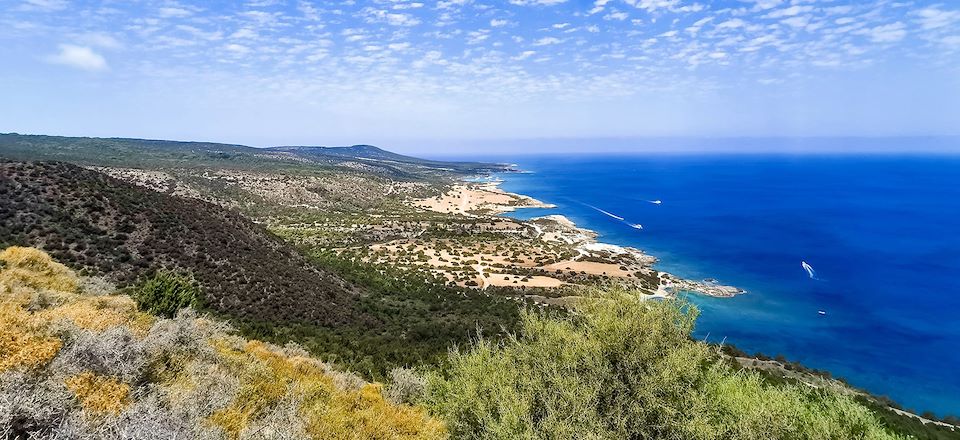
pixel 91 221
pixel 161 154
pixel 381 318
pixel 76 364
pixel 380 155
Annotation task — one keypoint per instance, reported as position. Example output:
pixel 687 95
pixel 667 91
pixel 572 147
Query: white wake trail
pixel 607 213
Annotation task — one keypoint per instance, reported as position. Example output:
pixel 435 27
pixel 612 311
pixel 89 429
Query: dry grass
pixel 35 269
pixel 269 378
pixel 99 394
pixel 22 342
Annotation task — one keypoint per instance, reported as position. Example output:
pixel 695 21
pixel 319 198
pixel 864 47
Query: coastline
pixel 480 196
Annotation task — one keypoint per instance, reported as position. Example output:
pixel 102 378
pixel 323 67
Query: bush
pixel 31 405
pixel 115 353
pixel 166 292
pixel 405 386
pixel 621 368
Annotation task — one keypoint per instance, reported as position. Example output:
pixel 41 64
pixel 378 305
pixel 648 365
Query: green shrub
pixel 620 368
pixel 166 292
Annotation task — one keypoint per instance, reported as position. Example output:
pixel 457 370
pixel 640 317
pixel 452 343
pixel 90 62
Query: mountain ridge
pixel 153 153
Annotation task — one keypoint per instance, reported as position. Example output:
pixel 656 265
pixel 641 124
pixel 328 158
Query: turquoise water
pixel 881 232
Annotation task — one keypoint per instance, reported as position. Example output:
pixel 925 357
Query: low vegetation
pixel 167 292
pixel 129 374
pixel 418 318
pixel 620 368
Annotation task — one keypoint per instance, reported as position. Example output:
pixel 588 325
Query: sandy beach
pixel 474 199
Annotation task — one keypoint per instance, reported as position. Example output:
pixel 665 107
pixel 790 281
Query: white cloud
pixel 732 24
pixel 798 21
pixel 451 4
pixel 546 41
pixel 237 49
pixel 524 55
pixel 952 41
pixel 789 12
pixel 536 2
pixel 934 18
pixel 173 12
pixel 766 4
pixel 79 57
pixel 618 15
pixel 888 33
pixel 44 5
pixel 393 19
pixel 598 6
pixel 498 23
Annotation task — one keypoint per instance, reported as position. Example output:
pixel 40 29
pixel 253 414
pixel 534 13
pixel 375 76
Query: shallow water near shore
pixel 881 232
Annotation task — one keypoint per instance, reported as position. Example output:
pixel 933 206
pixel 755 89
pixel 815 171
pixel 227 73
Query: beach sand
pixel 472 199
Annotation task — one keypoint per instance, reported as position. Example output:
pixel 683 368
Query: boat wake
pixel 610 214
pixel 810 272
pixel 655 202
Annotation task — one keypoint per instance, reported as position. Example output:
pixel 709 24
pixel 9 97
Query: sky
pixel 462 74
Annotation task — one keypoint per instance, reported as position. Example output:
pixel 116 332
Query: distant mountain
pixel 151 154
pixel 91 221
pixel 378 154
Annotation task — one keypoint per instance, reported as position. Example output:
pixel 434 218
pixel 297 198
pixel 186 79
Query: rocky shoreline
pixel 560 228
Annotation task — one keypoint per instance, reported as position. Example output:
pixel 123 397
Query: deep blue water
pixel 882 233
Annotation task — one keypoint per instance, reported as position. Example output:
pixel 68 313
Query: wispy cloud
pixel 481 54
pixel 78 57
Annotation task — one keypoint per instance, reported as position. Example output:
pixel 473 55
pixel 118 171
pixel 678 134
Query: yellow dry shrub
pixel 365 414
pixel 140 324
pixel 99 394
pixel 34 268
pixel 22 342
pixel 95 313
pixel 329 413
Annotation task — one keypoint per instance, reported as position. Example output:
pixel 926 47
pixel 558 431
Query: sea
pixel 880 235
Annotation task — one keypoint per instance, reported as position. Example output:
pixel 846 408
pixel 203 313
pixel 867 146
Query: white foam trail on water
pixel 810 272
pixel 607 213
pixel 655 202
pixel 612 215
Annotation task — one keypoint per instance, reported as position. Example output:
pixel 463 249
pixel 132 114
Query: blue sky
pixel 408 73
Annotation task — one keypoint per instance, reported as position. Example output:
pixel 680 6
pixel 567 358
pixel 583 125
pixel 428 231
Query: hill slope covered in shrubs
pixel 80 365
pixel 89 220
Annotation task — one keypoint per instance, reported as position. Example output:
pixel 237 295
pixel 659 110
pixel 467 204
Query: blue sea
pixel 881 232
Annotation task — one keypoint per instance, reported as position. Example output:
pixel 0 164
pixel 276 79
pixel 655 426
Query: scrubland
pixel 80 361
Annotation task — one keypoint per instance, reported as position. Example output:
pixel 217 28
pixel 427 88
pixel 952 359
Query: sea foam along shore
pixel 482 194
